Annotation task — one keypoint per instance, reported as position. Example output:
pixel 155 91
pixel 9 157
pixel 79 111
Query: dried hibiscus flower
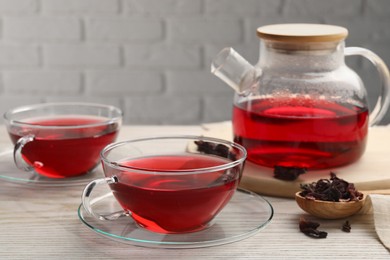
pixel 333 189
pixel 288 173
pixel 216 149
pixel 309 228
pixel 346 227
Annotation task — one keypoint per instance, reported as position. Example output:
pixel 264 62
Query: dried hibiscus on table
pixel 333 189
pixel 346 227
pixel 309 228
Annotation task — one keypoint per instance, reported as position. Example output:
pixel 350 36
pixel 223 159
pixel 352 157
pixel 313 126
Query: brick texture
pixel 196 30
pixel 19 56
pixel 101 29
pixel 123 83
pixel 41 29
pixel 335 8
pixel 18 7
pixel 150 110
pixel 163 7
pixel 244 8
pixel 42 82
pixel 152 57
pixel 80 7
pixel 162 56
pixel 81 55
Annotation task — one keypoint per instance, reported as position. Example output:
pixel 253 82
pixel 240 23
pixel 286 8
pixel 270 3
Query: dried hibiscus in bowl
pixel 333 189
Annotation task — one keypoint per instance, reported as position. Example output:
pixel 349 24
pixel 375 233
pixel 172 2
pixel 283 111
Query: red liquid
pixel 175 203
pixel 301 132
pixel 60 153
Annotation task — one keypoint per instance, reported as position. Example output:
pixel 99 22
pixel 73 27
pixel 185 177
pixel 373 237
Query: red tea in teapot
pixel 300 105
pixel 300 132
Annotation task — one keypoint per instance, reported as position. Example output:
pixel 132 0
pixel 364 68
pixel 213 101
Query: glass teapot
pixel 300 105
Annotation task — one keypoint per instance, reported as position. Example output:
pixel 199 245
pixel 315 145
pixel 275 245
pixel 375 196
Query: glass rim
pixel 220 167
pixel 8 114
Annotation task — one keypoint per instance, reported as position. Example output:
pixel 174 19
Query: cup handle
pixel 87 201
pixel 383 101
pixel 18 158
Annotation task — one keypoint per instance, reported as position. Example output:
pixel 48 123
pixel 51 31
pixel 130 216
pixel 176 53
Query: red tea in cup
pixel 154 201
pixel 171 184
pixel 64 144
pixel 66 153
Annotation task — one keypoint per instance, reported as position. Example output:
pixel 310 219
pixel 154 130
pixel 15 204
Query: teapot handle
pixel 383 101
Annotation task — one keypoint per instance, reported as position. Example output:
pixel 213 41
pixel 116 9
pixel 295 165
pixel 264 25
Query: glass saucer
pixel 9 172
pixel 245 215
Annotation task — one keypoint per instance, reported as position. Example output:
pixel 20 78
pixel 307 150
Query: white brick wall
pixel 162 7
pixel 152 57
pixel 42 83
pixel 18 7
pixel 82 55
pixel 41 29
pixel 333 8
pixel 80 7
pixel 125 29
pixel 121 83
pixel 19 56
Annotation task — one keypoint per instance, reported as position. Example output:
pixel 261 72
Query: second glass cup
pixel 170 184
pixel 61 140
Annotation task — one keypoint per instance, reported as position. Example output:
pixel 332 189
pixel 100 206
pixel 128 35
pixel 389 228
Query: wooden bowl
pixel 329 209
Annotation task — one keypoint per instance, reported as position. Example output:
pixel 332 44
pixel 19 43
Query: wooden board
pixel 371 172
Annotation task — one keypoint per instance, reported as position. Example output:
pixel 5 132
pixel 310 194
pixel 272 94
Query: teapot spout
pixel 234 70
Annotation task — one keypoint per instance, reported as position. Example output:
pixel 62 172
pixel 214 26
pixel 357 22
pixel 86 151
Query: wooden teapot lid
pixel 301 32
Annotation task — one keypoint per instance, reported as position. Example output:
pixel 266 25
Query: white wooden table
pixel 42 223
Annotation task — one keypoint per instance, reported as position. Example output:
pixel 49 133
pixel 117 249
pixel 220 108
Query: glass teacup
pixel 170 184
pixel 60 140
